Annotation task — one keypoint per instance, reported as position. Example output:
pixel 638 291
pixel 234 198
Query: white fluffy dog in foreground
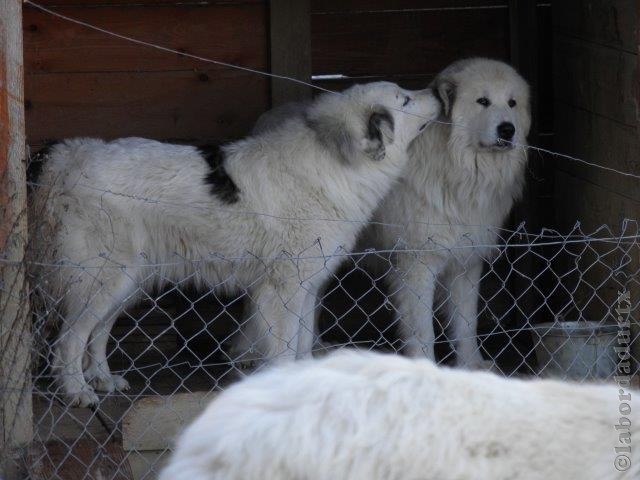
pixel 357 416
pixel 442 219
pixel 262 215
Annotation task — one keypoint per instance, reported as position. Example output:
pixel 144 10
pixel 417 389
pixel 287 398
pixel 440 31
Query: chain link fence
pixel 560 304
pixel 549 304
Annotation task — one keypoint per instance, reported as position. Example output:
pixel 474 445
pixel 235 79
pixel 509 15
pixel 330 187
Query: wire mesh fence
pixel 122 355
pixel 548 304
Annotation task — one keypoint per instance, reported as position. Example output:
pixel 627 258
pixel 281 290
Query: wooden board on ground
pixel 153 422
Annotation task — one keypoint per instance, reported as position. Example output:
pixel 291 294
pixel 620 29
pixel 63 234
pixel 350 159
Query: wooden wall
pixel 596 117
pixel 596 109
pixel 407 41
pixel 83 82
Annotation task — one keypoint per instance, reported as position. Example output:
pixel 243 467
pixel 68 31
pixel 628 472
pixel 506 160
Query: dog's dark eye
pixel 484 101
pixel 512 103
pixel 406 101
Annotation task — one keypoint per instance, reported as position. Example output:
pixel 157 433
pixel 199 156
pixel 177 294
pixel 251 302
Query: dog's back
pixel 364 415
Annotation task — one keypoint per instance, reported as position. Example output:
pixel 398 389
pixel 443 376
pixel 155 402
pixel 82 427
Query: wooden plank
pixel 147 464
pixel 599 79
pixel 16 417
pixel 545 70
pixel 391 6
pixel 590 204
pixel 58 422
pixel 405 43
pixel 635 285
pixel 153 423
pixel 207 104
pixel 523 23
pixel 606 22
pixel 587 136
pixel 290 50
pixel 523 34
pixel 234 34
pixel 138 3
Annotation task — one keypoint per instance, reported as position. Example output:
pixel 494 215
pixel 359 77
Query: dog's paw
pixel 109 383
pixel 85 398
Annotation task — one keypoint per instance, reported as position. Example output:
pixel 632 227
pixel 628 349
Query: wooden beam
pixel 290 32
pixel 635 329
pixel 151 426
pixel 523 28
pixel 16 427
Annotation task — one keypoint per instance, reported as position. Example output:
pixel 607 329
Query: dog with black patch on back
pixel 263 215
pixel 357 415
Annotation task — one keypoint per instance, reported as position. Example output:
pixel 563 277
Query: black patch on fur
pixel 375 120
pixel 222 185
pixel 36 162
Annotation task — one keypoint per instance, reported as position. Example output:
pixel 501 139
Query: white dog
pixel 356 416
pixel 460 185
pixel 262 215
pixel 463 177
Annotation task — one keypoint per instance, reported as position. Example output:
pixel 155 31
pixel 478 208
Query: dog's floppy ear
pixel 445 90
pixel 380 131
pixel 335 136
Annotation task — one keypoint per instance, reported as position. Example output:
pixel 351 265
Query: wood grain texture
pixel 207 105
pixel 153 423
pixel 16 416
pixel 586 135
pixel 406 42
pixel 146 3
pixel 596 78
pixel 229 33
pixel 81 82
pixel 290 33
pixel 328 6
pixel 606 22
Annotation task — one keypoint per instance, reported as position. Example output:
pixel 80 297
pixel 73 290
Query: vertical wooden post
pixel 16 427
pixel 290 31
pixel 523 28
pixel 635 292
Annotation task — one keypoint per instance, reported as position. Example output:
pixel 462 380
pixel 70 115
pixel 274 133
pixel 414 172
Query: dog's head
pixel 488 103
pixel 371 121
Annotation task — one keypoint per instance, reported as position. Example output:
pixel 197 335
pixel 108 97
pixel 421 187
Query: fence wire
pixel 549 304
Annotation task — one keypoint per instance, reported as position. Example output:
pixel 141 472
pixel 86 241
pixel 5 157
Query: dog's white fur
pixel 118 207
pixel 458 188
pixel 457 191
pixel 384 417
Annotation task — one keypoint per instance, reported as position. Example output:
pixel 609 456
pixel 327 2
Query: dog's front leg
pixel 464 289
pixel 413 285
pixel 279 320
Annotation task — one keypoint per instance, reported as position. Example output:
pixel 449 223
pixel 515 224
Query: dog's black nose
pixel 506 131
